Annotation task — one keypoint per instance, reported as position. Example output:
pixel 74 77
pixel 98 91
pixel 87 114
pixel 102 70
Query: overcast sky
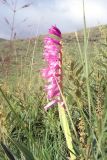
pixel 41 14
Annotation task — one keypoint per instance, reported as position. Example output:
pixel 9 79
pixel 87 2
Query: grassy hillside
pixel 19 53
pixel 25 128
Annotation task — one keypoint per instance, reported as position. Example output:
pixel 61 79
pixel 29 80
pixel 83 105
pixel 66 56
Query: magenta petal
pixel 52 50
pixel 50 104
pixel 51 41
pixel 51 86
pixel 48 73
pixel 44 72
pixel 54 30
pixel 53 93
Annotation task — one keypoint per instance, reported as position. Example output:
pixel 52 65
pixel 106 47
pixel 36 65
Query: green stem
pixel 86 63
pixel 66 130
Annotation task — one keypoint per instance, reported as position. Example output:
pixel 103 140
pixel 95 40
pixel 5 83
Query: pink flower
pixel 55 31
pixel 53 72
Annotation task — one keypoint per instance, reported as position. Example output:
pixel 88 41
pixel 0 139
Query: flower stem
pixel 66 130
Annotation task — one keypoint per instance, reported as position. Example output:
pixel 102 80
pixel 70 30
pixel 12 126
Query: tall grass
pixel 26 130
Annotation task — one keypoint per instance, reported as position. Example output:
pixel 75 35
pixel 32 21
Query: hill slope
pixel 24 53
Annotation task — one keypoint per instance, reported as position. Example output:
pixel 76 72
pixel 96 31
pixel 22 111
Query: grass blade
pixel 27 154
pixel 7 151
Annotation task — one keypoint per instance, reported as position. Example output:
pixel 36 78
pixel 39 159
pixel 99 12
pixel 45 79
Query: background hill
pixel 23 120
pixel 21 53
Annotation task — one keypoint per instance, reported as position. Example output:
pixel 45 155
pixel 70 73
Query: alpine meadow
pixel 53 94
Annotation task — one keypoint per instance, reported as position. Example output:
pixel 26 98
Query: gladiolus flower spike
pixel 53 73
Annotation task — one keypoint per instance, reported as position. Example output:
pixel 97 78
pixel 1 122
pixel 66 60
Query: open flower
pixel 53 72
pixel 53 75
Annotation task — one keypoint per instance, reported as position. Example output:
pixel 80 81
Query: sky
pixel 41 14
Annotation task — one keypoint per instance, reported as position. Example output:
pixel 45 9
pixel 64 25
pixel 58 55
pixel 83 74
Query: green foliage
pixel 29 131
pixel 7 151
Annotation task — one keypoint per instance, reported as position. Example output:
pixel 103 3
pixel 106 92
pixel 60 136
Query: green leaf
pixel 7 151
pixel 27 154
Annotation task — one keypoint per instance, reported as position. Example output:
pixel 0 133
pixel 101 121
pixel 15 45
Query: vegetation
pixel 27 132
